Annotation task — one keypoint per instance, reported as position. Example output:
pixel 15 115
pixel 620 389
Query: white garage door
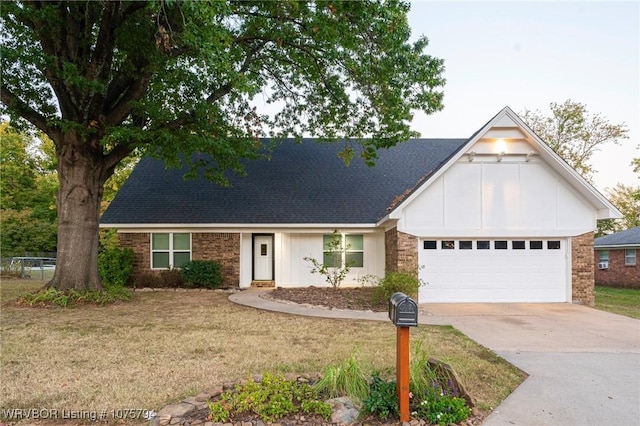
pixel 533 270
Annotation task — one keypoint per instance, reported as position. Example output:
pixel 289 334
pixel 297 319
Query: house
pixel 616 257
pixel 497 217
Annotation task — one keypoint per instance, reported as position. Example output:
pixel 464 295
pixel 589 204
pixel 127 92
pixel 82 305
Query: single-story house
pixel 496 217
pixel 616 257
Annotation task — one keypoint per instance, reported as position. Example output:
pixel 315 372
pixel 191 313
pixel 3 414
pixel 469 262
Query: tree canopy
pixel 575 134
pixel 106 79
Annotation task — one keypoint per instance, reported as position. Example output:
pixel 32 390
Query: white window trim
pixel 171 251
pixel 630 256
pixel 343 259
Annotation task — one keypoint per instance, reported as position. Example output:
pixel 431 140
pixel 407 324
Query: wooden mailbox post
pixel 403 312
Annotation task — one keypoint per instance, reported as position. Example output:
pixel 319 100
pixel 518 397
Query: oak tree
pixel 165 78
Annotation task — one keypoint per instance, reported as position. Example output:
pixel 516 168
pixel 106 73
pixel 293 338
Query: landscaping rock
pixel 343 410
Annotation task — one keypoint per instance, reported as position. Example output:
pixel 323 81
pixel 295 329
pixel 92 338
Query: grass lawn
pixel 622 301
pixel 165 346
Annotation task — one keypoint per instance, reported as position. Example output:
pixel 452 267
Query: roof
pixel 301 183
pixel 629 237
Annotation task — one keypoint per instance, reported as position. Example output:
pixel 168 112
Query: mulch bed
pixel 354 298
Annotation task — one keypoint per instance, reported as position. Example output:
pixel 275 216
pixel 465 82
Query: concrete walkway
pixel 583 364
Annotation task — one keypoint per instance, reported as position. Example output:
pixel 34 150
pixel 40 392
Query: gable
pixel 504 178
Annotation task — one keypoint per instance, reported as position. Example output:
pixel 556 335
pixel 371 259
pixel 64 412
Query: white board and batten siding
pixel 485 202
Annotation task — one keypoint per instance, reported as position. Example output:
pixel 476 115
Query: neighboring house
pixel 616 258
pixel 497 217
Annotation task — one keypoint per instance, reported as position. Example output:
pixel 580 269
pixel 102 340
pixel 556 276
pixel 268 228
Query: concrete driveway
pixel 583 364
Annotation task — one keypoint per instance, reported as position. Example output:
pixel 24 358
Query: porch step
pixel 263 284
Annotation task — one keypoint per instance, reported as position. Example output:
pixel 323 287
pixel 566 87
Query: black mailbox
pixel 403 310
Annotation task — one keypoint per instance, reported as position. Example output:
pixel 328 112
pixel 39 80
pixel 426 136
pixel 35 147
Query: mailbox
pixel 403 311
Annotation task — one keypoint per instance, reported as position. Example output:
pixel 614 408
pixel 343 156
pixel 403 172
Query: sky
pixel 526 55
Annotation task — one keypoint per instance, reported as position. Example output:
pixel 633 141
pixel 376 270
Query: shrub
pixel 272 398
pixel 443 410
pixel 202 273
pixel 171 278
pixel 405 282
pixel 115 266
pixel 383 398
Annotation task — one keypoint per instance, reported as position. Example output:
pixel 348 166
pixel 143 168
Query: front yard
pixel 168 345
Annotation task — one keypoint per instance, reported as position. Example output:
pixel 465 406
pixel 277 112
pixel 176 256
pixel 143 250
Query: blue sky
pixel 529 54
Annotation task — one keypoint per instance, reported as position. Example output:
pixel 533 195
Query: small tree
pixel 332 267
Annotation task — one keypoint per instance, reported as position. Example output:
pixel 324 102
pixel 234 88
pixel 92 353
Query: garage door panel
pixel 455 275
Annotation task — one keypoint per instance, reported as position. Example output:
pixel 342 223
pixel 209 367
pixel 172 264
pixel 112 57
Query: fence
pixel 33 267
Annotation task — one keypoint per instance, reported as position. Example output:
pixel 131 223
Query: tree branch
pixel 25 111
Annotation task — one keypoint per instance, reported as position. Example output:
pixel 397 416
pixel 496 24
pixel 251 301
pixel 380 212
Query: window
pixel 553 245
pixel 466 245
pixel 535 245
pixel 604 256
pixel 170 250
pixel 448 245
pixel 429 245
pixel 517 245
pixel 483 245
pixel 500 245
pixel 340 248
pixel 630 257
pixel 354 250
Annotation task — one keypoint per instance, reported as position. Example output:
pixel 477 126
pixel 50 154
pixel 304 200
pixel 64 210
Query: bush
pixel 202 273
pixel 164 279
pixel 405 282
pixel 444 410
pixel 115 266
pixel 383 398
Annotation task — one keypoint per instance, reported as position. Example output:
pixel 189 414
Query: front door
pixel 263 257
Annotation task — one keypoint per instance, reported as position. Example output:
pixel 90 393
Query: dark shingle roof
pixel 628 237
pixel 301 183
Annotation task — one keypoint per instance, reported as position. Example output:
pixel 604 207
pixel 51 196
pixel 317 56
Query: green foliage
pixel 574 134
pixel 443 410
pixel 424 382
pixel 202 273
pixel 625 198
pixel 115 266
pixel 383 398
pixel 51 296
pixel 170 78
pixel 272 398
pixel 23 233
pixel 405 282
pixel 345 379
pixel 332 267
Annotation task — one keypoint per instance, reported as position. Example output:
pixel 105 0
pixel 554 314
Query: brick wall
pixel 140 243
pixel 618 275
pixel 401 251
pixel 582 269
pixel 221 247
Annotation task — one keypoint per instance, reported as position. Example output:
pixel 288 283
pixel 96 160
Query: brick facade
pixel 582 269
pixel 401 251
pixel 221 247
pixel 618 274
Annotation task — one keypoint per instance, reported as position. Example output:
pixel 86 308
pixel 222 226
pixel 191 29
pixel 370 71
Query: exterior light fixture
pixel 472 155
pixel 500 155
pixel 529 155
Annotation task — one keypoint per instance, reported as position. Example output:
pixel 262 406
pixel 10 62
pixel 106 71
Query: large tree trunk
pixel 82 180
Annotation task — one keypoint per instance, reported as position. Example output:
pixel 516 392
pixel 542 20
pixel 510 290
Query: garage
pixel 500 270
